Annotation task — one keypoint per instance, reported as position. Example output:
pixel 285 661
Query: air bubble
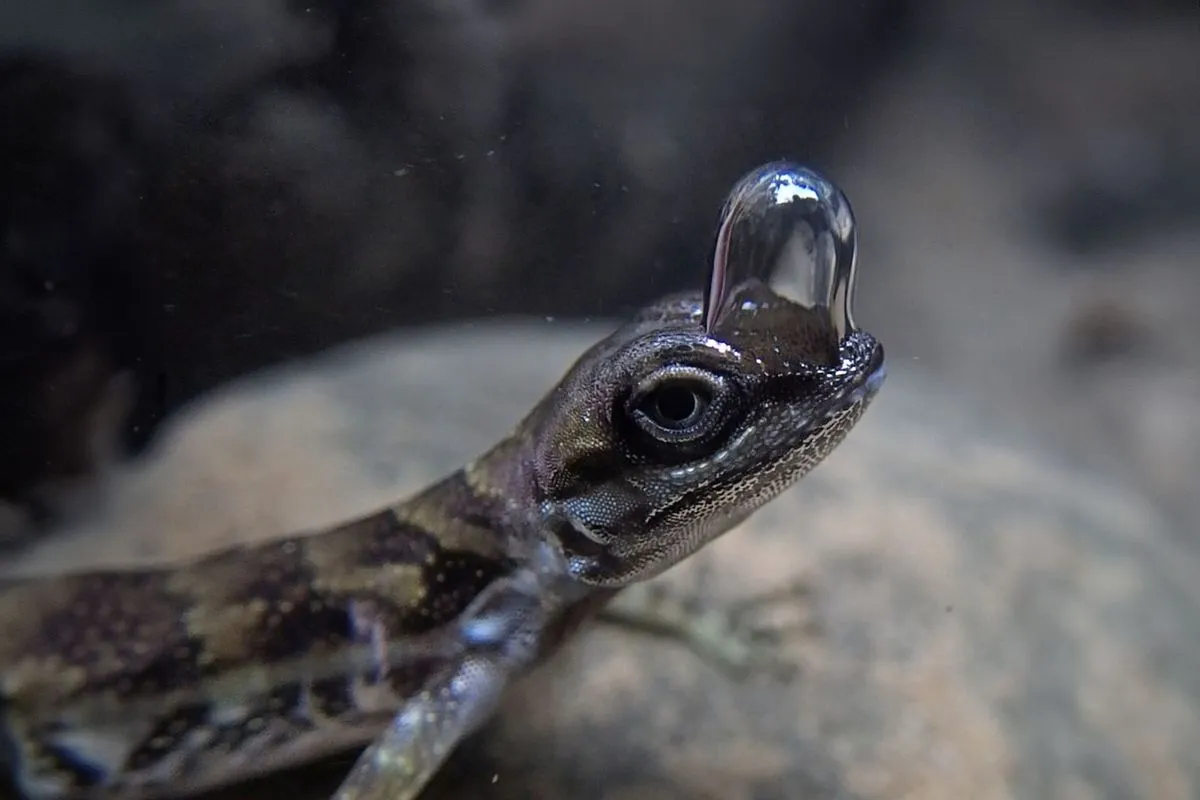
pixel 789 222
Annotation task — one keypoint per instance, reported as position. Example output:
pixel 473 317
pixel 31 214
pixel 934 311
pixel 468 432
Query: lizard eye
pixel 679 405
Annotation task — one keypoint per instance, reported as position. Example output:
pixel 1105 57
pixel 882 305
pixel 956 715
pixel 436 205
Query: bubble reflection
pixel 789 221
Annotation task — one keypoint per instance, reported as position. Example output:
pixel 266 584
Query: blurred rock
pixel 1107 145
pixel 951 180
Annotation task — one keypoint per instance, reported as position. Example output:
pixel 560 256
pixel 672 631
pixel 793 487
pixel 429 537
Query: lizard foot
pixel 732 636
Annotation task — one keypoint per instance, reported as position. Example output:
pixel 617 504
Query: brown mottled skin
pixel 170 679
pixel 140 634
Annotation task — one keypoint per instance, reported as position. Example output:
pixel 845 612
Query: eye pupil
pixel 679 411
pixel 677 405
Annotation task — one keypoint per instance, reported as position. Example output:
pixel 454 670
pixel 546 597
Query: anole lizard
pixel 400 630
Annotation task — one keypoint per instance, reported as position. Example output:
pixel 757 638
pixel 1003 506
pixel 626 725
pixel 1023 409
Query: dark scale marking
pixel 391 540
pixel 173 666
pixel 126 630
pixel 331 697
pixel 235 735
pixel 285 634
pixel 167 734
pixel 464 504
pixel 228 738
pixel 284 700
pixel 297 616
pixel 454 577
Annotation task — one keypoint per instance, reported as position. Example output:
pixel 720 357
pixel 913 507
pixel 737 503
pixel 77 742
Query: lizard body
pixel 402 628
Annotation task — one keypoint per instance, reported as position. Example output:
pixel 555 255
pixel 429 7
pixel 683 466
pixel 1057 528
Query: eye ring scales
pixel 679 405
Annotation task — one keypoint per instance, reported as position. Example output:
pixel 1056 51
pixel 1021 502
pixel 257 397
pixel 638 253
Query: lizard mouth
pixel 821 427
pixel 871 378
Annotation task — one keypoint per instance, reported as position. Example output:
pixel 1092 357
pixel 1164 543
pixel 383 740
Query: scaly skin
pixel 165 681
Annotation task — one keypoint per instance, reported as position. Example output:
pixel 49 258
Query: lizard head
pixel 703 408
pixel 664 435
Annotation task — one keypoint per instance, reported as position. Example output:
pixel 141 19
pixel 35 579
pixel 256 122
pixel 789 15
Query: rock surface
pixel 986 623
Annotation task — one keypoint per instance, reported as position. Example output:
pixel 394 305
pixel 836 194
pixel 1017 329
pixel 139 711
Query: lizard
pixel 398 631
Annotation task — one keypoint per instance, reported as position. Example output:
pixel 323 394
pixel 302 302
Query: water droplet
pixel 790 221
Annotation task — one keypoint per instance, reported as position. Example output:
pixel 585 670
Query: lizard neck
pixel 505 475
pixel 503 479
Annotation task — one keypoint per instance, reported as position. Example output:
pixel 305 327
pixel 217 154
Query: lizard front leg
pixel 499 636
pixel 398 764
pixel 729 635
